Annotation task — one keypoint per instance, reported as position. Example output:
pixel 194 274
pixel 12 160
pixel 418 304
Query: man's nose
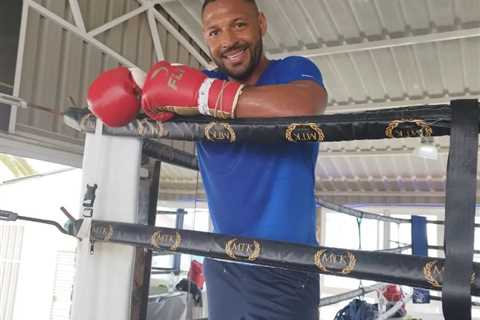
pixel 228 39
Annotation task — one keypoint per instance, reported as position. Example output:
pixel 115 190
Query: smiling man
pixel 261 191
pixel 243 57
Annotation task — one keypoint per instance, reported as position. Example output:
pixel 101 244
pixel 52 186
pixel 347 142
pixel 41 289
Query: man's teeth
pixel 235 55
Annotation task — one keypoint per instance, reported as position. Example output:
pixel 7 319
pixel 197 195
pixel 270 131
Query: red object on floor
pixel 195 274
pixel 393 293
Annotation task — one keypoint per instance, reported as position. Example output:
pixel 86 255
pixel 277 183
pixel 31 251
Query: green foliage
pixel 17 166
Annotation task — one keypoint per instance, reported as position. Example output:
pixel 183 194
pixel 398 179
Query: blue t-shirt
pixel 263 190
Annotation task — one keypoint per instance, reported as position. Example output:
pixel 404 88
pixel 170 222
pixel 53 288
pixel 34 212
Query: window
pixel 63 287
pixel 11 237
pixel 162 280
pixel 401 234
pixel 341 231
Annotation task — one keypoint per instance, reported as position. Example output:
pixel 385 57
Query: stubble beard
pixel 244 74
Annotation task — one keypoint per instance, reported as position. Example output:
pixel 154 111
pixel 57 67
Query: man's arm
pixel 297 98
pixel 187 91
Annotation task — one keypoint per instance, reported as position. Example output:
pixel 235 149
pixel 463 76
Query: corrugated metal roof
pixel 372 54
pixel 376 172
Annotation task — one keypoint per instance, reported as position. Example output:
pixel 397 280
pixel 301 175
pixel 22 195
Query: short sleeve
pixel 297 68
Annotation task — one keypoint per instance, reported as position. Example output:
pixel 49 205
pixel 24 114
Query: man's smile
pixel 235 56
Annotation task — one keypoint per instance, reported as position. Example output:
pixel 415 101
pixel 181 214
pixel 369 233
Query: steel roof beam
pixel 383 44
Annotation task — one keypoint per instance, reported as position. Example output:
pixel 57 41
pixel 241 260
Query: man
pixel 254 190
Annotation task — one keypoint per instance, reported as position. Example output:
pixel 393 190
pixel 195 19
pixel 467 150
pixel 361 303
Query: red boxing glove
pixel 114 97
pixel 187 91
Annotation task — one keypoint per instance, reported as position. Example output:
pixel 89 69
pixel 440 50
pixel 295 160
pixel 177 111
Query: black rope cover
pixel 166 153
pixel 408 270
pixel 380 124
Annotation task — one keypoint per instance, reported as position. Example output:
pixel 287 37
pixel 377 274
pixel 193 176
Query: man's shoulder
pixel 294 68
pixel 294 61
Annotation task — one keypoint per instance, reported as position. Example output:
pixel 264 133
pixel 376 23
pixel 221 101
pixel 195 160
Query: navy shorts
pixel 246 292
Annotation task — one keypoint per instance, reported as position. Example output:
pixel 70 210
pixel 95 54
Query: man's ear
pixel 262 21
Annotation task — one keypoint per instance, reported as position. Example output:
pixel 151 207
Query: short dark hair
pixel 206 2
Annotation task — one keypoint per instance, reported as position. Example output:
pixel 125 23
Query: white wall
pixel 40 198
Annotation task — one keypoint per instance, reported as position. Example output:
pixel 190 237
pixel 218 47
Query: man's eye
pixel 240 25
pixel 213 33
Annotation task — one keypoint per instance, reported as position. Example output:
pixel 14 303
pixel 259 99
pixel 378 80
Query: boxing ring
pixel 456 276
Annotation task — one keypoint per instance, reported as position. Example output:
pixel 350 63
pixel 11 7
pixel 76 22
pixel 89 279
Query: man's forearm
pixel 301 98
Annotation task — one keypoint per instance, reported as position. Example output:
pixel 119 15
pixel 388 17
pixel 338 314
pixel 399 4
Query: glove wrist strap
pixel 235 100
pixel 203 96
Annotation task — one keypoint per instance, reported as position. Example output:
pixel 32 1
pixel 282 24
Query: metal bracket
pixel 89 200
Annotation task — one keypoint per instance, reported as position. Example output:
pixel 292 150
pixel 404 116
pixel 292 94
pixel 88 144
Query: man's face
pixel 233 30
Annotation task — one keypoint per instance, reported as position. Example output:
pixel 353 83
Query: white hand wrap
pixel 203 96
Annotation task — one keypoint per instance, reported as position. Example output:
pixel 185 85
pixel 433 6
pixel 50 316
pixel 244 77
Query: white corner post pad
pixel 103 280
pixel 85 229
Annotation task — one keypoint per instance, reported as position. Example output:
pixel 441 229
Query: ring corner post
pixel 104 280
pixel 460 206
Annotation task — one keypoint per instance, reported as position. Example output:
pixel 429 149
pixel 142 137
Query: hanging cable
pixel 189 280
pixel 359 227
